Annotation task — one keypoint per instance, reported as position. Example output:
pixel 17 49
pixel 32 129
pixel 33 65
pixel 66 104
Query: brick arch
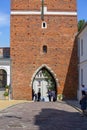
pixel 41 84
pixel 50 71
pixel 4 68
pixel 3 79
pixel 7 69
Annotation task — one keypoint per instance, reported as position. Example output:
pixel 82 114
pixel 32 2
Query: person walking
pixel 53 96
pixel 39 95
pixel 83 103
pixel 49 95
pixel 33 93
pixel 35 97
pixel 83 89
pixel 83 100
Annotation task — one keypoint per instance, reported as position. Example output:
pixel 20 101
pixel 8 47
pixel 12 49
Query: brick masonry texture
pixel 28 39
pixel 67 5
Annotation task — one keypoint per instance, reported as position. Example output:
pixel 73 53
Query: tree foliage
pixel 81 23
pixel 49 79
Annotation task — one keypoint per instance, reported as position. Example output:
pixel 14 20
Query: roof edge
pixel 81 29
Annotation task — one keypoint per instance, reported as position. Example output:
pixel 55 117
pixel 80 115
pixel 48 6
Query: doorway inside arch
pixel 43 81
pixel 3 82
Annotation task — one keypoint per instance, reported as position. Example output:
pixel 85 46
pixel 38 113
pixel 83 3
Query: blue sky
pixel 5 19
pixel 4 23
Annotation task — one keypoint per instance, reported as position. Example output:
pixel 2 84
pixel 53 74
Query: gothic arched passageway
pixel 44 81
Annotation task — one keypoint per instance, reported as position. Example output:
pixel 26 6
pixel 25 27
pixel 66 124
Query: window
pixel 44 25
pixel 3 78
pixel 40 74
pixel 44 49
pixel 81 47
pixel 39 83
pixel 81 76
pixel 78 47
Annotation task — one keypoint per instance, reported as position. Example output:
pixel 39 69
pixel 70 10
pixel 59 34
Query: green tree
pixel 81 23
pixel 49 79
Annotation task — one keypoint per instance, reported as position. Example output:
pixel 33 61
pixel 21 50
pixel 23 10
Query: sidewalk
pixel 8 103
pixel 74 103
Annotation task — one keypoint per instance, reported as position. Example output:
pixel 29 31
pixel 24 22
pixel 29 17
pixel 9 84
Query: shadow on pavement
pixel 42 116
pixel 52 119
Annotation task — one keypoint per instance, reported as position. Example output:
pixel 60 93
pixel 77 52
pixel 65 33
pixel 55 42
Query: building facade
pixel 4 70
pixel 82 56
pixel 43 37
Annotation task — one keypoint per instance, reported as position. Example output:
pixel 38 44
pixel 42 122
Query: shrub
pixel 6 94
pixel 7 86
pixel 60 96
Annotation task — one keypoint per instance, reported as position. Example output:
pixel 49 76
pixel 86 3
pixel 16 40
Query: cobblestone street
pixel 42 116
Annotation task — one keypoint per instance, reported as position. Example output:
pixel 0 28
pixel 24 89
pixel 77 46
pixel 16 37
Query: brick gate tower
pixel 43 36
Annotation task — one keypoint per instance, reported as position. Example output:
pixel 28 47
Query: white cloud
pixel 4 19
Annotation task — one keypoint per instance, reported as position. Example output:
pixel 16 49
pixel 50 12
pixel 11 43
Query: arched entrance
pixel 43 81
pixel 3 82
pixel 3 78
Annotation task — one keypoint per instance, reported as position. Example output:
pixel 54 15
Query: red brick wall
pixel 67 5
pixel 27 40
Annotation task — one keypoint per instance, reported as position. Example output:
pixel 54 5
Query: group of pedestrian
pixel 83 101
pixel 52 95
pixel 36 96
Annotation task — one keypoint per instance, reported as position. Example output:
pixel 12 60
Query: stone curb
pixel 74 106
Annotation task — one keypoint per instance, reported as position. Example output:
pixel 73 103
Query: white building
pixel 4 70
pixel 82 56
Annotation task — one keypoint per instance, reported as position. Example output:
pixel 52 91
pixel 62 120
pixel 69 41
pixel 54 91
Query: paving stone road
pixel 42 116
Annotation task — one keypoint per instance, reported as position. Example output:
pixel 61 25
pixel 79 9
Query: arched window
pixel 44 49
pixel 3 78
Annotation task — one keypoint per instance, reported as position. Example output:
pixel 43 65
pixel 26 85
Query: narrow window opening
pixel 81 47
pixel 44 49
pixel 44 25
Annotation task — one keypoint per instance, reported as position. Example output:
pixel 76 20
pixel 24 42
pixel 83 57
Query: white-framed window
pixel 81 76
pixel 78 47
pixel 81 47
pixel 44 24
